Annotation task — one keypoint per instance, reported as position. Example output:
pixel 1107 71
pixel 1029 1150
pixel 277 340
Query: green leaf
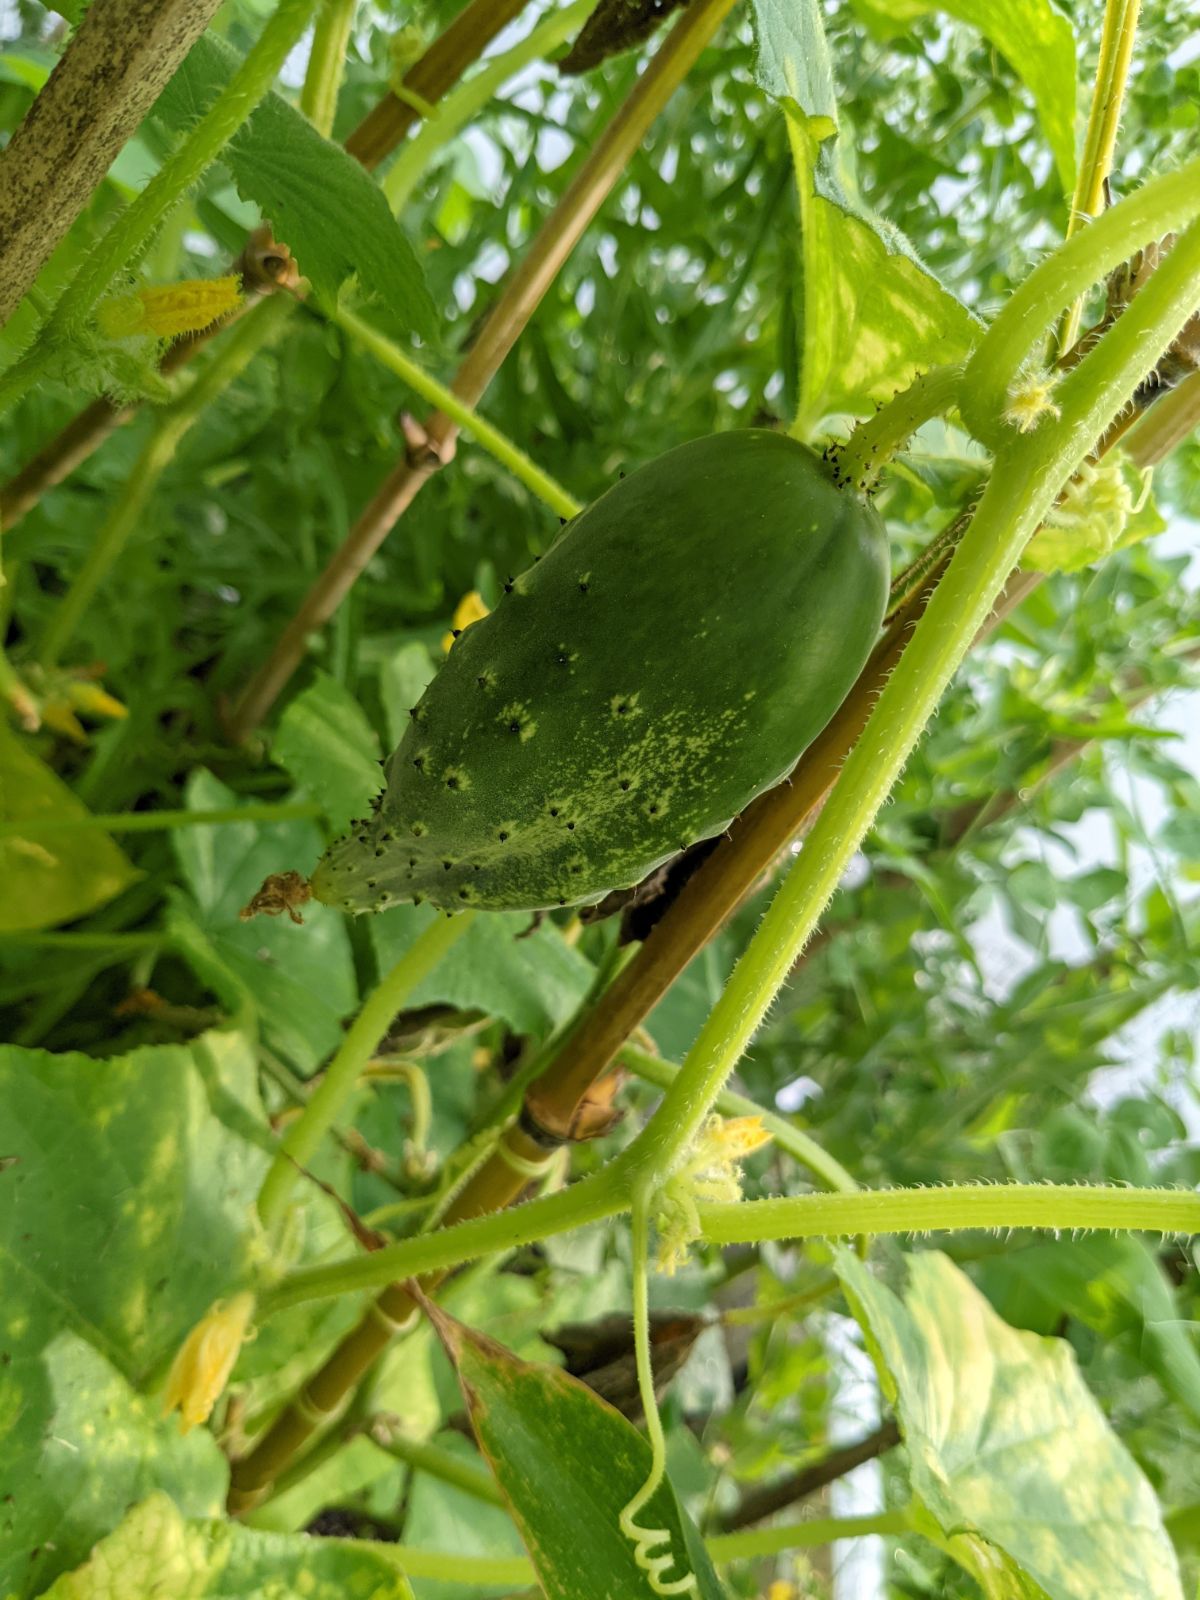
pixel 50 878
pixel 328 746
pixel 793 56
pixel 874 315
pixel 301 978
pixel 568 1464
pixel 1034 37
pixel 126 1209
pixel 319 201
pixel 1007 1448
pixel 403 678
pixel 531 982
pixel 156 1551
pixel 79 1447
pixel 1109 1282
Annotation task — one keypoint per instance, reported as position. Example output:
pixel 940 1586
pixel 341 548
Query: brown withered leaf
pixel 614 27
pixel 601 1354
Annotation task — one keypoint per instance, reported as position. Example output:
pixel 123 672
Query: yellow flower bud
pixel 95 700
pixel 169 309
pixel 201 1370
pixel 468 610
pixel 1028 402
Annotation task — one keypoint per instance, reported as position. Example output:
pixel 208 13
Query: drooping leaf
pixel 874 315
pixel 327 745
pixel 156 1551
pixel 1007 1449
pixel 126 1209
pixel 531 982
pixel 319 201
pixel 50 877
pixel 301 979
pixel 568 1464
pixel 1033 36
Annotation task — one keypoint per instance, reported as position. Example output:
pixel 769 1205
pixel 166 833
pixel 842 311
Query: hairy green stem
pixel 438 1463
pixel 652 1069
pixel 231 358
pixel 457 109
pixel 874 442
pixel 759 1542
pixel 326 63
pixel 1162 206
pixel 882 1211
pixel 1100 141
pixel 497 444
pixel 133 230
pixel 300 1142
pixel 954 1207
pixel 724 1548
pixel 154 821
pixel 604 1194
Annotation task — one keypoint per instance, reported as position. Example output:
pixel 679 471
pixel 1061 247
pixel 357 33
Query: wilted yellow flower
pixel 710 1172
pixel 201 1370
pixel 169 309
pixel 470 608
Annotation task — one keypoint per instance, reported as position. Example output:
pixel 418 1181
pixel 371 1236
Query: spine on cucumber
pixel 673 654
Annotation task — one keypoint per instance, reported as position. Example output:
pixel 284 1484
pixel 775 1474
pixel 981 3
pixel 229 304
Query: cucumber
pixel 682 642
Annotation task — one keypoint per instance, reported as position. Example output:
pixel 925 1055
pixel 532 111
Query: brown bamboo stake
pixel 114 69
pixel 427 80
pixel 1170 420
pixel 495 1185
pixel 374 139
pixel 432 444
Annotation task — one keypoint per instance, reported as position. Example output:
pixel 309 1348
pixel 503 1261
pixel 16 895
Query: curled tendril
pixel 646 1541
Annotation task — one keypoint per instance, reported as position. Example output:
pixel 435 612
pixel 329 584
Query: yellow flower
pixel 468 610
pixel 1028 402
pixel 780 1590
pixel 201 1370
pixel 170 309
pixel 710 1172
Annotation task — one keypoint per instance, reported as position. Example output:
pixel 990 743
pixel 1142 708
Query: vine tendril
pixel 646 1541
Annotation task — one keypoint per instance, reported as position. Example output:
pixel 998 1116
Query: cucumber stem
pixel 874 442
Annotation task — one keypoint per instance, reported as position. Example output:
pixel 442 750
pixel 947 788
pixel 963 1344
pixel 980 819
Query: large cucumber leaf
pixel 1009 1452
pixel 156 1552
pixel 126 1209
pixel 49 877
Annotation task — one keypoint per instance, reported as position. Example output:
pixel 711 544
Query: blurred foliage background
pixel 1005 988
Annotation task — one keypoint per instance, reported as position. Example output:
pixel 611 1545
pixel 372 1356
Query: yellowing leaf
pixel 49 876
pixel 1009 1452
pixel 156 1552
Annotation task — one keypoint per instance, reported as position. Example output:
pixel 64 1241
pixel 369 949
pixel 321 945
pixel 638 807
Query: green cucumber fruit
pixel 673 654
